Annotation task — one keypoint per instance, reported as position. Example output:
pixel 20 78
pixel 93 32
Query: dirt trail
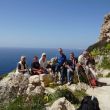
pixel 102 93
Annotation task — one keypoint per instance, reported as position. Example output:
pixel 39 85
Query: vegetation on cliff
pixel 38 102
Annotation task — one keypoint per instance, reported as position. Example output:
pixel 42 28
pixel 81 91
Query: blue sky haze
pixel 51 23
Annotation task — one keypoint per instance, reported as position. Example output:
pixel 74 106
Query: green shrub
pixel 101 51
pixel 73 97
pixel 105 63
pixel 80 94
pixel 108 75
pixel 107 47
pixel 21 103
pixel 95 52
pixel 38 102
pixel 100 75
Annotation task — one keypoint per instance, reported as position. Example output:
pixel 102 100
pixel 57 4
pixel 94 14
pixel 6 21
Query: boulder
pixel 62 104
pixel 46 79
pixel 82 86
pixel 39 90
pixel 35 79
pixel 31 90
pixel 18 84
pixel 104 72
pixel 13 85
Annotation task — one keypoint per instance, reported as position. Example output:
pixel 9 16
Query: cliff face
pixel 105 29
pixel 101 49
pixel 104 37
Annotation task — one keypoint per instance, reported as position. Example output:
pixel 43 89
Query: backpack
pixel 89 104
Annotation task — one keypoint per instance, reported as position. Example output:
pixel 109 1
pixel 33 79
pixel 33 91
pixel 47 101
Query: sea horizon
pixel 43 48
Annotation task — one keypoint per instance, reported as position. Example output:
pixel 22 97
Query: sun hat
pixel 23 57
pixel 43 54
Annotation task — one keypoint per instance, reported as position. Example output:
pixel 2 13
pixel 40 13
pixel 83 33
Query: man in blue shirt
pixel 62 57
pixel 60 65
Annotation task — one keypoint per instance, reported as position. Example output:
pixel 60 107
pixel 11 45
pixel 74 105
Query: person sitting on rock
pixel 81 66
pixel 91 64
pixel 85 68
pixel 53 64
pixel 43 62
pixel 22 66
pixel 70 65
pixel 35 67
pixel 59 66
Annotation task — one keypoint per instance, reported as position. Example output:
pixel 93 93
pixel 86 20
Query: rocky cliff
pixel 19 92
pixel 105 29
pixel 104 37
pixel 101 49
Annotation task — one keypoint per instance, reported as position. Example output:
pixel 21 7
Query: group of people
pixel 84 64
pixel 38 66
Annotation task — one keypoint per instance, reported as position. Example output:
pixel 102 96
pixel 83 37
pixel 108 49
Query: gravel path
pixel 102 93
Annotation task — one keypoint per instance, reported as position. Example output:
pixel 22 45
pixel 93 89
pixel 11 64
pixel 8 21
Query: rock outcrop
pixel 105 29
pixel 104 37
pixel 62 104
pixel 34 86
pixel 11 86
pixel 14 85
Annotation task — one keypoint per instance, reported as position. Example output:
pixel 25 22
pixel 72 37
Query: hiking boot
pixel 59 82
pixel 69 83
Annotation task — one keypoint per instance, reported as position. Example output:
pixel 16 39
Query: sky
pixel 51 23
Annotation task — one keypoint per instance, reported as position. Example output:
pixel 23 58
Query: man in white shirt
pixel 82 59
pixel 22 68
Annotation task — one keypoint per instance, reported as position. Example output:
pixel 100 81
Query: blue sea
pixel 10 56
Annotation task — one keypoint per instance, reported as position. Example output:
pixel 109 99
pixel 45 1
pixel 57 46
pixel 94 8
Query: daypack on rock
pixel 89 104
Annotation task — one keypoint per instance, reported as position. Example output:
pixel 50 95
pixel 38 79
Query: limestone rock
pixel 62 104
pixel 104 36
pixel 31 90
pixel 14 85
pixel 81 86
pixel 46 79
pixel 39 90
pixel 105 29
pixel 49 90
pixel 35 79
pixel 104 72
